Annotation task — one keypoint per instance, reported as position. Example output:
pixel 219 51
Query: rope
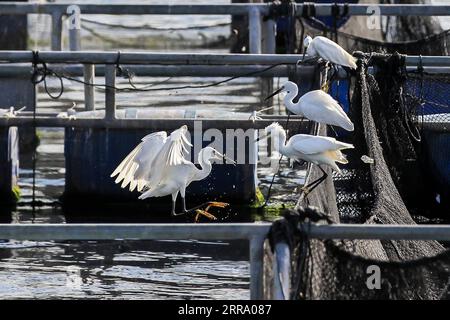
pixel 137 43
pixel 149 27
pixel 40 75
pixel 43 72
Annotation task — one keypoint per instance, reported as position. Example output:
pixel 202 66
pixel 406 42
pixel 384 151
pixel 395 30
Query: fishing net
pixel 414 35
pixel 380 185
pixel 435 44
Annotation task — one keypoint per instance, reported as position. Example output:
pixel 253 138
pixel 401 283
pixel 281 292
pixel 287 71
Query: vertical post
pixel 256 268
pixel 89 93
pixel 110 93
pixel 73 13
pixel 74 40
pixel 269 39
pixel 74 19
pixel 254 26
pixel 281 270
pixel 56 31
pixel 268 46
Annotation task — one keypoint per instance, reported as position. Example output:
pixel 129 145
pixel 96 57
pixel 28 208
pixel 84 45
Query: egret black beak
pixel 262 138
pixel 275 93
pixel 225 158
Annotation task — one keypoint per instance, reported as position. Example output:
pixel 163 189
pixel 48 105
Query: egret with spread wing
pixel 315 105
pixel 157 168
pixel 315 149
pixel 328 50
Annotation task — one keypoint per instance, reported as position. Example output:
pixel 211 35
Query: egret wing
pixel 171 154
pixel 323 108
pixel 308 144
pixel 137 164
pixel 333 52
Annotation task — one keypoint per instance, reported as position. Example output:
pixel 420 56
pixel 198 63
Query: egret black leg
pixel 311 186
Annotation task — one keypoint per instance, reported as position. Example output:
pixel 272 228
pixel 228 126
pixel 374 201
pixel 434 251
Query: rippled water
pixel 129 269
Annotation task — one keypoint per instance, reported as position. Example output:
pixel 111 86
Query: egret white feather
pixel 329 50
pixel 315 105
pixel 315 149
pixel 157 166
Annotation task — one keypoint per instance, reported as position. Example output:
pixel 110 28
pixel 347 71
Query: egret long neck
pixel 289 100
pixel 280 142
pixel 205 170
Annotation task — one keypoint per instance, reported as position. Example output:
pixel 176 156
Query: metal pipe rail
pixel 23 69
pixel 253 11
pixel 149 124
pixel 7 70
pixel 321 9
pixel 216 231
pixel 255 233
pixel 149 58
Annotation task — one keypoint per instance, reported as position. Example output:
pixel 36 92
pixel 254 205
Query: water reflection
pixel 132 269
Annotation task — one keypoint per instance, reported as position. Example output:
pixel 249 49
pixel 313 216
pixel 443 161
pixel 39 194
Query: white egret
pixel 157 168
pixel 11 112
pixel 318 150
pixel 315 105
pixel 328 50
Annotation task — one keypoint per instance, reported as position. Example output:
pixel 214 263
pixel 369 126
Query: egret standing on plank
pixel 157 168
pixel 315 149
pixel 315 105
pixel 328 50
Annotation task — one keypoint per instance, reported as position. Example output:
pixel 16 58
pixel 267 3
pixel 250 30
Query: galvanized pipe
pixel 7 70
pixel 23 69
pixel 159 231
pixel 216 231
pixel 102 57
pixel 269 36
pixel 74 40
pixel 110 92
pixel 89 92
pixel 281 271
pixel 136 9
pixel 150 124
pixel 254 28
pixel 56 40
pixel 254 232
pixel 257 267
pixel 224 9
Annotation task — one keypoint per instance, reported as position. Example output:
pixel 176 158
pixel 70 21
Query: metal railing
pixel 144 63
pixel 255 233
pixel 254 12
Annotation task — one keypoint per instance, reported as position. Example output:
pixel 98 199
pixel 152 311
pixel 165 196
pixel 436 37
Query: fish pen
pixel 361 230
pixel 389 182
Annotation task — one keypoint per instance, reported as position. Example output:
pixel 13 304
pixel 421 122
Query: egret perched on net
pixel 315 105
pixel 157 168
pixel 315 149
pixel 328 50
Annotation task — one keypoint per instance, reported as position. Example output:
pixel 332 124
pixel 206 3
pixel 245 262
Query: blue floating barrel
pixel 436 145
pixel 338 21
pixel 9 164
pixel 92 154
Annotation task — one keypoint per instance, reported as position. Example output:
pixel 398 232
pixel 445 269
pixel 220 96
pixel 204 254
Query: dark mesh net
pixel 434 44
pixel 383 189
